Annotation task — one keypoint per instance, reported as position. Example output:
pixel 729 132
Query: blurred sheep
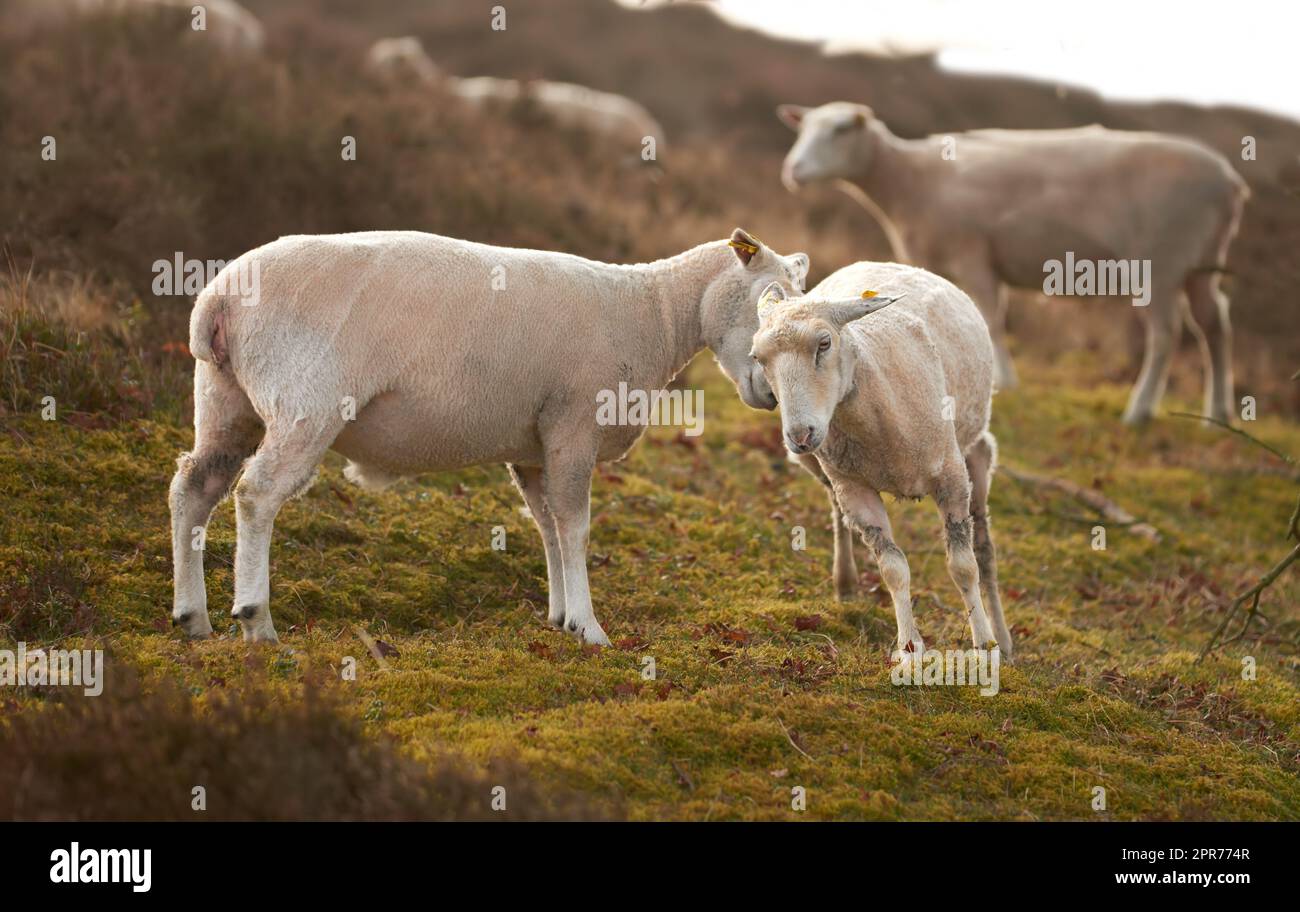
pixel 231 27
pixel 405 60
pixel 990 209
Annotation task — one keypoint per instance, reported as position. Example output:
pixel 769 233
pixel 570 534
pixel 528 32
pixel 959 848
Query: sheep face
pixel 834 142
pixel 728 317
pixel 807 359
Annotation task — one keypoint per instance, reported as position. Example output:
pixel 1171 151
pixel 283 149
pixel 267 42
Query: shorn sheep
pixel 990 209
pixel 231 27
pixel 569 105
pixel 408 352
pixel 896 401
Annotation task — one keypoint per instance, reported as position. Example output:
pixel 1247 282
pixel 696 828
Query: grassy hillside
pixel 763 682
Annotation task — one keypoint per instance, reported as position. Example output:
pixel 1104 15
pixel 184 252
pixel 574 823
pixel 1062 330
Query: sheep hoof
pixel 590 632
pixel 193 624
pixel 256 623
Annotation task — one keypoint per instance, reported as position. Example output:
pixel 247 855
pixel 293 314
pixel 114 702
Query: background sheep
pixel 231 26
pixel 897 403
pixel 567 104
pixel 1004 202
pixel 448 354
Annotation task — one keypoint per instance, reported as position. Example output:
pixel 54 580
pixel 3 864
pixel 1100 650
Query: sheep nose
pixel 802 439
pixel 788 176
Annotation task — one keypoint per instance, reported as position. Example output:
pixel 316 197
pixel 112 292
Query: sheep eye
pixel 824 345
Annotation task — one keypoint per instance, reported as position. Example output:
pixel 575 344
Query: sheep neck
pixel 679 286
pixel 896 173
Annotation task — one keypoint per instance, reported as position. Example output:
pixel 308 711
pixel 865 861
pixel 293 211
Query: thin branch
pixel 1108 509
pixel 789 738
pixel 1251 595
pixel 1240 433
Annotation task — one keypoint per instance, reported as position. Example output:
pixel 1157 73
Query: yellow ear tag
pixel 741 245
pixel 869 294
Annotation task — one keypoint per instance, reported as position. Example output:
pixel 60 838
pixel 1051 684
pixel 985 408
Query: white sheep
pixel 401 60
pixel 989 209
pixel 230 26
pixel 568 105
pixel 898 403
pixel 408 352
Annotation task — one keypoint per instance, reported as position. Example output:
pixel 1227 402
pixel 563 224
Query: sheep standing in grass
pixel 897 402
pixel 408 352
pixel 575 106
pixel 989 209
pixel 230 26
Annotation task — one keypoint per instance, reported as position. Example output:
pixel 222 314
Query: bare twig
pixel 789 738
pixel 1289 460
pixel 1110 510
pixel 1252 596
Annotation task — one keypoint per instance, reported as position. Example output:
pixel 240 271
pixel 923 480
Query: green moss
pixel 692 566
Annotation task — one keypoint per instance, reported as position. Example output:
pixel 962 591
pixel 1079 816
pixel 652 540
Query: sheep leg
pixel 979 465
pixel 1162 326
pixel 566 485
pixel 845 569
pixel 1209 313
pixel 226 431
pixel 953 496
pixel 990 296
pixel 529 482
pixel 283 467
pixel 865 511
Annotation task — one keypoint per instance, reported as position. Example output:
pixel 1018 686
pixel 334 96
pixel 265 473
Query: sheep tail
pixel 208 328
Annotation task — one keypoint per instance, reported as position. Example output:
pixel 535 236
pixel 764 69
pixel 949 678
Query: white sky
pixel 1244 52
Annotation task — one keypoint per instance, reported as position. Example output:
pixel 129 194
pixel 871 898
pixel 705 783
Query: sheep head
pixel 834 142
pixel 808 363
pixel 727 311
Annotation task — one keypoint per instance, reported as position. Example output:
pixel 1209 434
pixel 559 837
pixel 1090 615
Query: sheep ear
pixel 745 245
pixel 772 295
pixel 801 263
pixel 791 115
pixel 840 313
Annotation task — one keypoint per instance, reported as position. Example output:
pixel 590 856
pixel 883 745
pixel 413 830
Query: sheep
pixel 897 402
pixel 409 352
pixel 991 209
pixel 568 105
pixel 401 60
pixel 232 28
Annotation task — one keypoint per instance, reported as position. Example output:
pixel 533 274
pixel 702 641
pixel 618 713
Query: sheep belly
pixel 399 434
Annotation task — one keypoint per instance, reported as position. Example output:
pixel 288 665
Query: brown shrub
pixel 136 754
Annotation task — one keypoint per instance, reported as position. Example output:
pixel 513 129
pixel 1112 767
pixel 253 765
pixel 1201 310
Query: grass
pixel 762 681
